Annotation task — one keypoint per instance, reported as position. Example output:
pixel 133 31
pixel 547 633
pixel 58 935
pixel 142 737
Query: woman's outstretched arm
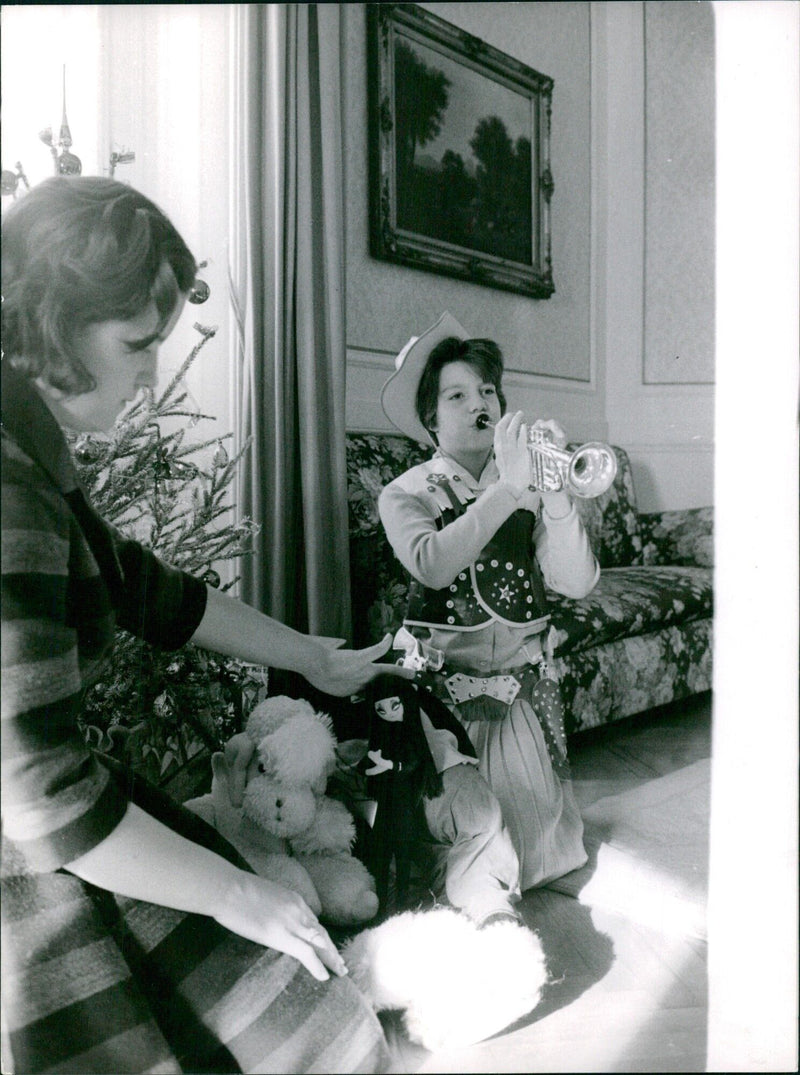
pixel 231 627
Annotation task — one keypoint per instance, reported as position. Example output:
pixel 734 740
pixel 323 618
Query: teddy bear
pixel 288 829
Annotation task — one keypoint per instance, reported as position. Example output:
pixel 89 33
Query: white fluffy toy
pixel 457 984
pixel 288 829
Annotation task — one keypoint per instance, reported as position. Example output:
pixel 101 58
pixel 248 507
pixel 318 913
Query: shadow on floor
pixel 578 955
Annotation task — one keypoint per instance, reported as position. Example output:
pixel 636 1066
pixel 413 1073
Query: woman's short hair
pixel 484 355
pixel 78 250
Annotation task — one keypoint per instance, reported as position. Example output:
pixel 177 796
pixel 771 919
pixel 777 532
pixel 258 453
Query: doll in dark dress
pixel 430 806
pixel 400 774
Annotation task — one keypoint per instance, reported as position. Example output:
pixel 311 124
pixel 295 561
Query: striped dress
pixel 93 982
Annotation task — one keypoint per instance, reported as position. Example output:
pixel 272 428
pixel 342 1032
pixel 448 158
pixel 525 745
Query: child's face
pixel 463 395
pixel 389 709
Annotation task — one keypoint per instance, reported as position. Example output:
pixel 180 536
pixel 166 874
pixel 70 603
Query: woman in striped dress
pixel 134 938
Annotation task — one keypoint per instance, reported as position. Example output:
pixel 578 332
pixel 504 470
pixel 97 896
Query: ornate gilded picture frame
pixel 459 149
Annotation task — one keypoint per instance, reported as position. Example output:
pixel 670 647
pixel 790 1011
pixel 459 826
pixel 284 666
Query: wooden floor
pixel 624 997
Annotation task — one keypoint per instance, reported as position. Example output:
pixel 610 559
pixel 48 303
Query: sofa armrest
pixel 678 538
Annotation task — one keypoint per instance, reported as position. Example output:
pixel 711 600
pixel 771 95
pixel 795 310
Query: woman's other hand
pixel 144 860
pixel 511 452
pixel 270 914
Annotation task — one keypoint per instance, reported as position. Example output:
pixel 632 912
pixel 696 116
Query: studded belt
pixel 462 687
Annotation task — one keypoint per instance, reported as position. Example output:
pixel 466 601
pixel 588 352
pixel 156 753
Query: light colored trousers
pixel 474 859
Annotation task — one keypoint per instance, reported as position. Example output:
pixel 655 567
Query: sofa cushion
pixel 631 601
pixel 678 537
pixel 605 683
pixel 378 581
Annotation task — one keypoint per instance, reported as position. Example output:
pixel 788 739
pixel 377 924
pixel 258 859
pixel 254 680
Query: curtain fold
pixel 287 287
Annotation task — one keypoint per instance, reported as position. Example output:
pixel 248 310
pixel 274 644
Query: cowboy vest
pixel 504 583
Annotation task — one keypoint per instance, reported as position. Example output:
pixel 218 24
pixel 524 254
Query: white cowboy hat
pixel 399 394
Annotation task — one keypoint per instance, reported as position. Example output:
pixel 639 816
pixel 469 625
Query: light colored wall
pixel 679 187
pixel 655 288
pixel 632 240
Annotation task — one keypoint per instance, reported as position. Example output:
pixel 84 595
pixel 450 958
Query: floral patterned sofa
pixel 642 638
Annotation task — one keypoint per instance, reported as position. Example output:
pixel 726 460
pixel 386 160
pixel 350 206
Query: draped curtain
pixel 287 286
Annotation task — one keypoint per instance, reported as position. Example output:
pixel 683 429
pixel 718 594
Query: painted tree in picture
pixel 421 99
pixel 503 192
pixel 477 195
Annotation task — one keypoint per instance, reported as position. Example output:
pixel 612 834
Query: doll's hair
pixel 79 250
pixel 388 686
pixel 483 355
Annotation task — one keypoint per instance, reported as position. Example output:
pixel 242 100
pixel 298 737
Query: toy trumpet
pixel 587 472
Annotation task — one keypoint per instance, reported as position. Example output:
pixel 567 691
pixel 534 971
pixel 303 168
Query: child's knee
pixel 474 805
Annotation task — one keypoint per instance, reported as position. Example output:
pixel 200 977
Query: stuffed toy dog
pixel 285 812
pixel 265 853
pixel 457 984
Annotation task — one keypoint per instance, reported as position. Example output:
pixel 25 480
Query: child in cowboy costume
pixel 481 546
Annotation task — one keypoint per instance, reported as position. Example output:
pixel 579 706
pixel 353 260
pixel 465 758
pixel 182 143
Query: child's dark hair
pixel 80 250
pixel 484 355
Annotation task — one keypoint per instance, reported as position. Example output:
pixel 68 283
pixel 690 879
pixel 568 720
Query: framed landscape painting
pixel 459 139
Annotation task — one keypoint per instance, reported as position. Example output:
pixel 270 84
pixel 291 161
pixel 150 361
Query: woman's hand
pixel 238 630
pixel 346 671
pixel 143 859
pixel 269 914
pixel 511 452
